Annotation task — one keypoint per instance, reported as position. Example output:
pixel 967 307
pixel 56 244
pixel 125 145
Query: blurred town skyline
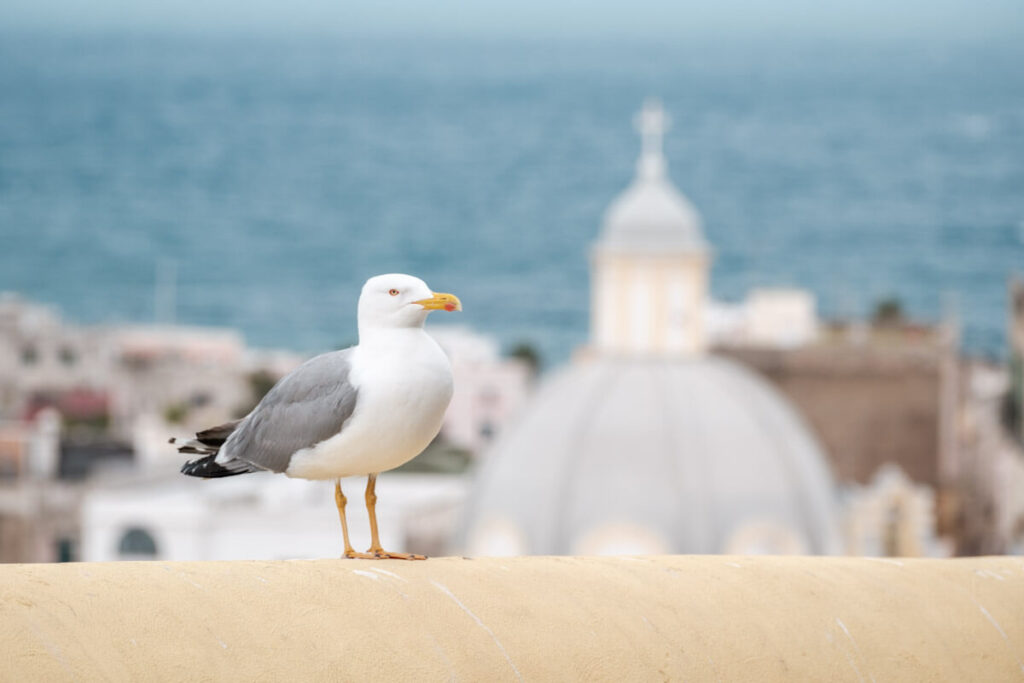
pixel 792 309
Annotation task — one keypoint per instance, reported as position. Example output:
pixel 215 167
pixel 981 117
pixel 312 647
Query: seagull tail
pixel 208 443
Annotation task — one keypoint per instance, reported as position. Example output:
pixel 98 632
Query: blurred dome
pixel 652 215
pixel 634 456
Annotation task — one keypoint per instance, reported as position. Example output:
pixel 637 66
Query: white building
pixel 198 373
pixel 260 516
pixel 123 371
pixel 489 389
pixel 780 318
pixel 892 517
pixel 40 354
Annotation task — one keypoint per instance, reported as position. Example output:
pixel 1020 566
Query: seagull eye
pixel 393 292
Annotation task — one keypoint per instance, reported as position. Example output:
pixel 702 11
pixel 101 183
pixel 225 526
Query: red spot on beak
pixel 449 307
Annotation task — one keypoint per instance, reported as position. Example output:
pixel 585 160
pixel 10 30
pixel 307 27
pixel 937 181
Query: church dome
pixel 647 456
pixel 651 214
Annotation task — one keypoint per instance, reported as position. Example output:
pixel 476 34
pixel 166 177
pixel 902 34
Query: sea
pixel 255 181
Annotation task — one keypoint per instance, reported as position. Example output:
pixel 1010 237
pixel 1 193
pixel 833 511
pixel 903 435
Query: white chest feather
pixel 403 393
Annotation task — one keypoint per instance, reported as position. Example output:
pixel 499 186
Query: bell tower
pixel 649 268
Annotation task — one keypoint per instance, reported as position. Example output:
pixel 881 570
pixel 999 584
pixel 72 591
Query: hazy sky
pixel 939 19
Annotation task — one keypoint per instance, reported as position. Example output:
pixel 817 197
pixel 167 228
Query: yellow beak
pixel 441 302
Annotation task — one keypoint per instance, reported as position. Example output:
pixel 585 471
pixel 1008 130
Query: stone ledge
pixel 713 618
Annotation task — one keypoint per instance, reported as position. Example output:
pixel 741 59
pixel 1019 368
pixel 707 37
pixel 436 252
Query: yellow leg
pixel 340 501
pixel 376 550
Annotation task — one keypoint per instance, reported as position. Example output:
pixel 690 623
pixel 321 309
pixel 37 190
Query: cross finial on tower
pixel 652 122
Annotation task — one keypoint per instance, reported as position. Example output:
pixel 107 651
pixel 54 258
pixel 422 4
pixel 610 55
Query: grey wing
pixel 307 406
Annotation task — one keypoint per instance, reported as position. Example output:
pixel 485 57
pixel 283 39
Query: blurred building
pixel 38 520
pixel 897 394
pixel 1015 323
pixel 104 377
pixel 891 516
pixel 985 503
pixel 80 402
pixel 43 360
pixel 193 375
pixel 778 318
pixel 261 516
pixel 489 389
pixel 646 443
pixel 873 394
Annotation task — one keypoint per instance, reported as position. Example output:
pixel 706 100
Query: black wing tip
pixel 207 468
pixel 216 436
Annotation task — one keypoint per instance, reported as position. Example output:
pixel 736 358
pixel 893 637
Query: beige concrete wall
pixel 539 619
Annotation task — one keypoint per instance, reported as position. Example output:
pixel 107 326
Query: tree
pixel 260 382
pixel 888 311
pixel 526 352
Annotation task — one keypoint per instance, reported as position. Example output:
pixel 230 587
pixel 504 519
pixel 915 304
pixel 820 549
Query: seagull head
pixel 397 300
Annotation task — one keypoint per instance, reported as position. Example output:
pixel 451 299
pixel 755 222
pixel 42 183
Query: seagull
pixel 362 410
